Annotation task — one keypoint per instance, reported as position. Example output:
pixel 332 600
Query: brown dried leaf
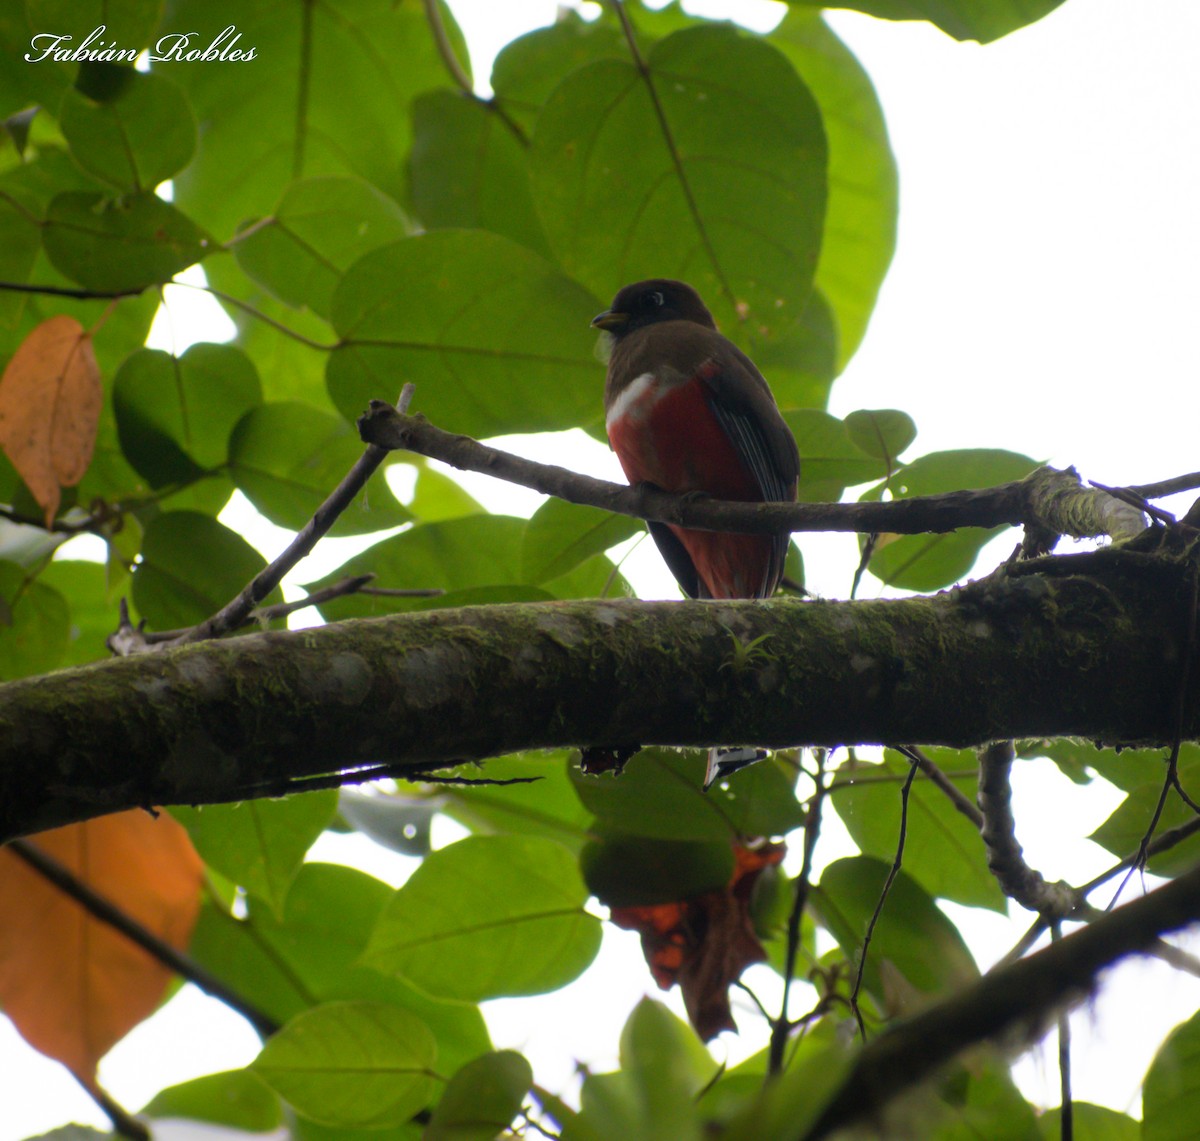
pixel 50 400
pixel 73 986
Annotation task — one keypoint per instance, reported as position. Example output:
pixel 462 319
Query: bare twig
pixel 109 913
pixel 893 871
pixel 123 1122
pixel 943 781
pixel 1166 487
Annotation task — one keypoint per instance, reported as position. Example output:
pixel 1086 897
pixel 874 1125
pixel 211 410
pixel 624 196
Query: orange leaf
pixel 705 942
pixel 73 986
pixel 50 399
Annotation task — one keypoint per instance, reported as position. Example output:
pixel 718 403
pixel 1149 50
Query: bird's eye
pixel 657 298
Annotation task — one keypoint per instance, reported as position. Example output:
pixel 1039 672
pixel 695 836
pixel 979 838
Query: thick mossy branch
pixel 1095 654
pixel 1060 505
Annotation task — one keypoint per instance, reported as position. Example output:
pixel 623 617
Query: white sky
pixel 1043 299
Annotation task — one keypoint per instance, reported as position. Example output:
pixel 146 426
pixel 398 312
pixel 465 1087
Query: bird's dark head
pixel 649 302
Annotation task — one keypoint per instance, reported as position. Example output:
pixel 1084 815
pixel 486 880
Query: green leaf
pixel 286 458
pixel 659 794
pixel 135 137
pixel 352 1063
pixel 437 496
pixel 191 566
pixel 320 227
pixel 729 194
pixel 883 433
pixel 561 535
pixel 311 956
pixel 121 244
pixel 1170 1097
pixel 830 459
pixel 236 1098
pixel 1127 769
pixel 912 935
pixel 983 1101
pixel 529 68
pixel 92 616
pixel 942 849
pixel 982 20
pixel 1091 1123
pixel 481 1099
pixel 495 338
pixel 456 555
pixel 260 844
pixel 468 169
pixel 861 212
pixel 1123 831
pixel 34 621
pixel 174 414
pixel 929 562
pixel 327 92
pixel 549 807
pixel 128 24
pixel 486 917
pixel 625 870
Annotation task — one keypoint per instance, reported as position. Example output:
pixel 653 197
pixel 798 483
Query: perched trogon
pixel 687 411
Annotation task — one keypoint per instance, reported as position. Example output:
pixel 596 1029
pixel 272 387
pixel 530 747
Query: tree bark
pixel 1090 645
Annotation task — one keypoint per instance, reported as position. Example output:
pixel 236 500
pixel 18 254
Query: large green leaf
pixel 726 190
pixel 287 458
pixel 174 414
pixel 260 844
pixel 659 794
pixel 191 566
pixel 352 1063
pixel 982 20
pixel 468 169
pixel 127 24
pixel 1123 831
pixel 320 227
pixel 327 92
pixel 488 916
pixel 458 555
pixel 830 459
pixel 495 338
pixel 311 956
pixel 1171 1094
pixel 92 615
pixel 34 621
pixel 561 535
pixel 481 1099
pixel 912 935
pixel 626 870
pixel 929 562
pixel 942 849
pixel 860 217
pixel 128 128
pixel 236 1098
pixel 547 807
pixel 128 243
pixel 1091 1123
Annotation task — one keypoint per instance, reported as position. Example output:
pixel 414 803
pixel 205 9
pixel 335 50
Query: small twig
pixel 893 871
pixel 123 1122
pixel 343 777
pixel 107 912
pixel 1066 1122
pixel 70 291
pixel 1165 487
pixel 953 793
pixel 780 1027
pixel 393 592
pixel 1005 859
